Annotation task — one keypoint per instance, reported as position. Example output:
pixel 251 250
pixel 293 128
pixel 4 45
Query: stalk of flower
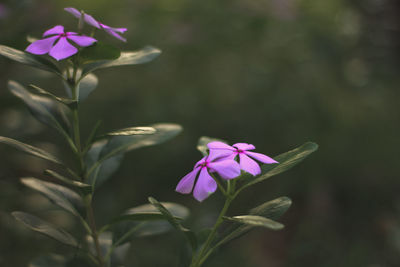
pixel 115 32
pixel 57 44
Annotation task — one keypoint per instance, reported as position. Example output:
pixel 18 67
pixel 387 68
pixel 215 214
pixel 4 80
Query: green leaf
pixel 29 59
pixel 102 172
pixel 124 229
pixel 147 216
pixel 43 227
pixel 85 188
pixel 61 196
pixel 111 252
pixel 45 109
pixel 254 220
pixel 132 131
pixel 51 260
pixel 137 216
pixel 286 161
pixel 189 235
pixel 31 150
pixel 66 101
pixel 122 144
pixel 99 51
pixel 86 86
pixel 144 55
pixel 273 209
pixel 104 158
pixel 203 141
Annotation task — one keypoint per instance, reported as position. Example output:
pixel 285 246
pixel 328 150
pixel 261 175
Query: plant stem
pixel 198 260
pixel 92 230
pixel 92 223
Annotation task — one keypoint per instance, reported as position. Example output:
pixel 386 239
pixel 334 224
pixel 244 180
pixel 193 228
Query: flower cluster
pixel 225 160
pixel 58 42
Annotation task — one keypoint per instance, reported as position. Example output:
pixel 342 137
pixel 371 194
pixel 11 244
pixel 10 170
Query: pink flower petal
pixel 55 30
pixel 91 21
pixel 75 12
pixel 261 157
pixel 185 185
pixel 227 169
pixel 205 185
pixel 87 18
pixel 216 154
pixel 219 145
pixel 116 35
pixel 244 146
pixel 120 30
pixel 63 49
pixel 41 47
pixel 249 165
pixel 82 40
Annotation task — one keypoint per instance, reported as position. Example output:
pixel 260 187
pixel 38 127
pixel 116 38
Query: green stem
pixel 198 260
pixel 92 223
pixel 75 123
pixel 90 226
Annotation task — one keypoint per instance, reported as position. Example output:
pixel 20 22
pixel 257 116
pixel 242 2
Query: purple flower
pixel 57 44
pixel 245 157
pixel 205 184
pixel 91 21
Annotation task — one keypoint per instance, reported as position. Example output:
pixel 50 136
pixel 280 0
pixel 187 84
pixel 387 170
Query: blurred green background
pixel 274 73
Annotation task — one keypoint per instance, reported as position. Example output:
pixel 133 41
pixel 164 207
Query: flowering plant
pixel 71 188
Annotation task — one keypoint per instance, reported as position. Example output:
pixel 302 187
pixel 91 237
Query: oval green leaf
pixel 99 51
pixel 254 220
pixel 84 188
pixel 125 229
pixel 43 227
pixel 61 196
pixel 132 131
pixel 43 108
pixel 31 150
pixel 144 55
pixel 86 86
pixel 272 209
pixel 29 59
pixel 286 161
pixel 101 172
pixel 189 235
pixel 122 144
pixel 66 101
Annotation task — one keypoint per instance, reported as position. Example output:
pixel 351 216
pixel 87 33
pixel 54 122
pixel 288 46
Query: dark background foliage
pixel 273 73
